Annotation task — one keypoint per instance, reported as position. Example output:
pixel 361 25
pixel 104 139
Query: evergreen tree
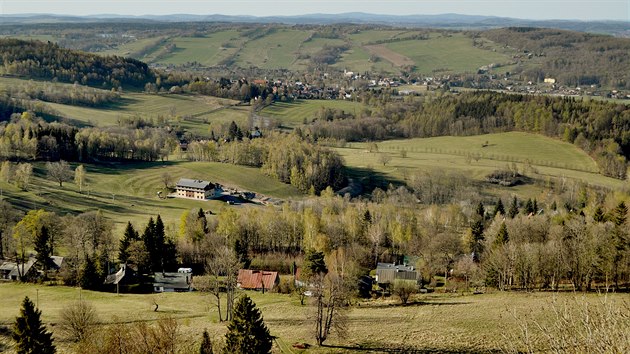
pixel 480 210
pixel 148 237
pixel 130 236
pixel 476 231
pixel 30 333
pixel 206 344
pixel 314 264
pixel 240 248
pixel 598 215
pixel 535 205
pixel 90 277
pixel 247 333
pixel 502 236
pixel 159 252
pixel 513 208
pixel 620 214
pixel 201 217
pixel 529 207
pixel 42 247
pixel 498 208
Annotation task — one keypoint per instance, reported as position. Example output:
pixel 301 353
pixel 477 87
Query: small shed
pixel 172 282
pixel 257 279
pixel 386 273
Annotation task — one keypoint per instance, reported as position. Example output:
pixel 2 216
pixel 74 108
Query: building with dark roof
pixel 386 273
pixel 171 282
pixel 194 188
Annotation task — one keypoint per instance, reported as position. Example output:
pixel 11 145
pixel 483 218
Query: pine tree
pixel 90 277
pixel 502 236
pixel 42 247
pixel 498 208
pixel 247 332
pixel 129 237
pixel 148 237
pixel 206 344
pixel 30 333
pixel 529 207
pixel 201 218
pixel 598 215
pixel 159 252
pixel 480 210
pixel 620 214
pixel 513 209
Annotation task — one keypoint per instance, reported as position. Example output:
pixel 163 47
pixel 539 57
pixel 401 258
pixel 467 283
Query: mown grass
pixel 452 53
pixel 272 51
pixel 128 192
pixel 294 113
pixel 209 50
pixel 545 156
pixel 448 323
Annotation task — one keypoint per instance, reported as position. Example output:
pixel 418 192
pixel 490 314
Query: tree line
pixel 51 62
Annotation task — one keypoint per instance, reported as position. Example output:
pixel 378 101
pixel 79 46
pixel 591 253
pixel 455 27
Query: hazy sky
pixel 529 9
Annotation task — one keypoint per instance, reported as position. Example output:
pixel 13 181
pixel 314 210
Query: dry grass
pixel 433 322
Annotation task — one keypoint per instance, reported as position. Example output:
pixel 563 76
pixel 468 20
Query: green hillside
pixel 129 191
pixel 296 113
pixel 544 156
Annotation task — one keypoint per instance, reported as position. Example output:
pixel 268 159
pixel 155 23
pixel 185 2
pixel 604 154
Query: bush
pixel 286 286
pixel 77 320
pixel 404 289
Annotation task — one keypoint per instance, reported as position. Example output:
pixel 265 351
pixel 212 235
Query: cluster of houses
pixel 28 270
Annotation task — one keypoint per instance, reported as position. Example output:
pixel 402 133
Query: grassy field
pixel 453 53
pixel 128 192
pixel 208 51
pixel 273 51
pixel 291 114
pixel 546 156
pixel 449 323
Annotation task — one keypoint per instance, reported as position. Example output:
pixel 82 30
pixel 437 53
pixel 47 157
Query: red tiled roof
pixel 254 279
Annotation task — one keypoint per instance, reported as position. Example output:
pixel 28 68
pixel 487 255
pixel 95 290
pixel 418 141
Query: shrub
pixel 77 320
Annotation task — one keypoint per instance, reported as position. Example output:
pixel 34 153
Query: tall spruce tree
pixel 502 236
pixel 130 236
pixel 247 333
pixel 513 208
pixel 498 208
pixel 42 247
pixel 30 333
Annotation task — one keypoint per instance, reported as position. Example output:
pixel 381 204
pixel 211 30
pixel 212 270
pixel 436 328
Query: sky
pixel 525 9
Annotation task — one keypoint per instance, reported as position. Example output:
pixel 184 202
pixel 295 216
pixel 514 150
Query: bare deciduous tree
pixel 59 171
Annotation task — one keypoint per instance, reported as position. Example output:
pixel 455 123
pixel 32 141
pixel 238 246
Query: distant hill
pixel 453 21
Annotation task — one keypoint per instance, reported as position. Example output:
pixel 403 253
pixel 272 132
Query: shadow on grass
pixel 371 179
pixel 374 347
pixel 415 304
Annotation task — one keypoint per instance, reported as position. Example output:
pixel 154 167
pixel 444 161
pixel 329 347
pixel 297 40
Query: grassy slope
pixel 294 113
pixel 454 53
pixel 275 50
pixel 208 51
pixel 435 323
pixel 548 156
pixel 134 188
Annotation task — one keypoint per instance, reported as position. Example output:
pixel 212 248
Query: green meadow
pixel 291 114
pixel 128 192
pixel 478 156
